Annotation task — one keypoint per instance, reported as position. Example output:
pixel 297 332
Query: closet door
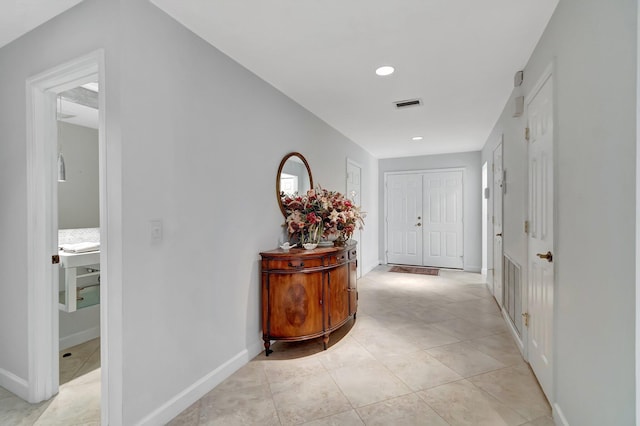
pixel 442 224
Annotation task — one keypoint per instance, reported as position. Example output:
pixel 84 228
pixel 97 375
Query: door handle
pixel 499 235
pixel 418 224
pixel 548 255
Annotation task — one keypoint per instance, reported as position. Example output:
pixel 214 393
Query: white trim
pixel 474 269
pixel 370 267
pixel 14 384
pixel 513 331
pixel 42 224
pixel 637 309
pixel 199 388
pixel 484 272
pixel 79 337
pixel 360 253
pixel 422 171
pixel 558 416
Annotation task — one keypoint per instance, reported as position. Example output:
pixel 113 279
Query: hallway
pixel 423 350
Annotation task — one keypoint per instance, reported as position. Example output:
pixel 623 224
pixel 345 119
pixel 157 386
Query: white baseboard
pixel 472 269
pixel 558 417
pixel 80 337
pixel 14 384
pixel 182 401
pixel 514 333
pixel 484 271
pixel 368 268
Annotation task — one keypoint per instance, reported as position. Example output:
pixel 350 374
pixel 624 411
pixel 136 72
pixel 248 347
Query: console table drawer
pixel 291 264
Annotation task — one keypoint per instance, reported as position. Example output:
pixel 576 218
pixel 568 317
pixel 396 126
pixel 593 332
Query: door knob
pixel 499 235
pixel 418 224
pixel 546 255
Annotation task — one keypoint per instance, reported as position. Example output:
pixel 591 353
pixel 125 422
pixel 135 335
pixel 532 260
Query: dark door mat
pixel 415 270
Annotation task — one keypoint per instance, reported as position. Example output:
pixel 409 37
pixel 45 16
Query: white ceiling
pixel 18 17
pixel 458 56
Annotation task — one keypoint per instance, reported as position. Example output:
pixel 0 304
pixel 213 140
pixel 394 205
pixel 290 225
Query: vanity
pixel 307 293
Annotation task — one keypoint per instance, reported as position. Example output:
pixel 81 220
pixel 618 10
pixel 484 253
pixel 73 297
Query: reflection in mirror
pixel 294 177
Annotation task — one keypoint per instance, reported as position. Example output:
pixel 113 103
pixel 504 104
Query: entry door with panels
pixel 540 292
pixel 425 219
pixel 404 216
pixel 442 225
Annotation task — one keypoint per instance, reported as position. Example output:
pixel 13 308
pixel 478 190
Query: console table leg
pixel 325 341
pixel 267 345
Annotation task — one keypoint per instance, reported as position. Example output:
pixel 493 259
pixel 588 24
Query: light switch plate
pixel 156 231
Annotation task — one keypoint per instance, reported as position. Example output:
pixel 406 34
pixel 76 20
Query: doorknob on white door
pixel 418 224
pixel 548 255
pixel 499 235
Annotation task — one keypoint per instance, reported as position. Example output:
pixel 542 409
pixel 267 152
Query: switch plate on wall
pixel 156 231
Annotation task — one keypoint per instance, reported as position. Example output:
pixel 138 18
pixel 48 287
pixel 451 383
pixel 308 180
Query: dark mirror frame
pixel 282 163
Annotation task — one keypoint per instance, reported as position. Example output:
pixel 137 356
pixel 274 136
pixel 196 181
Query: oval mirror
pixel 294 177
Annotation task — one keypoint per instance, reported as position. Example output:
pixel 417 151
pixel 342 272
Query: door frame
pixel 413 172
pixel 548 73
pixel 42 291
pixel 497 192
pixel 361 248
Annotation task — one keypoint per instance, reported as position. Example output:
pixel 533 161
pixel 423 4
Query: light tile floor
pixel 77 403
pixel 424 350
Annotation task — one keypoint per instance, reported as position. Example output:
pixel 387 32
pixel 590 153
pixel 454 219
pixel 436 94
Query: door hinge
pixel 526 226
pixel 525 318
pixel 55 259
pixel 526 134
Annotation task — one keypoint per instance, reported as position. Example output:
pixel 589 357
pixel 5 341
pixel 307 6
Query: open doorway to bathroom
pixel 50 290
pixel 79 281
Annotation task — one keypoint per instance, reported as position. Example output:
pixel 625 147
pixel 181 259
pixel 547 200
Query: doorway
pixel 485 223
pixel 498 193
pixel 541 291
pixel 424 218
pixel 44 259
pixel 78 233
pixel 354 193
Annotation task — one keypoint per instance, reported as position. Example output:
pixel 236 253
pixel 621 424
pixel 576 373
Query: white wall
pixel 594 47
pixel 78 198
pixel 79 326
pixel 472 201
pixel 49 45
pixel 200 139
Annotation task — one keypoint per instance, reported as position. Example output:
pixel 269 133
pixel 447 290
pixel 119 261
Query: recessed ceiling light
pixel 385 70
pixel 416 138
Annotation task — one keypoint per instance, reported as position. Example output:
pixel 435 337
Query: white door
pixel 540 241
pixel 354 189
pixel 404 219
pixel 498 184
pixel 442 224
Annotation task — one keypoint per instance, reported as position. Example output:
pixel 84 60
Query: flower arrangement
pixel 321 213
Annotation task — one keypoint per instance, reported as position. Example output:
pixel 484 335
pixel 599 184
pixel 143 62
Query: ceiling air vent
pixel 408 103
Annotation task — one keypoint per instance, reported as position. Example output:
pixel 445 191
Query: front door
pixel 498 185
pixel 404 219
pixel 540 240
pixel 425 219
pixel 442 224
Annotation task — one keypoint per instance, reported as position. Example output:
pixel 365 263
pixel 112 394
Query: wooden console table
pixel 307 293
